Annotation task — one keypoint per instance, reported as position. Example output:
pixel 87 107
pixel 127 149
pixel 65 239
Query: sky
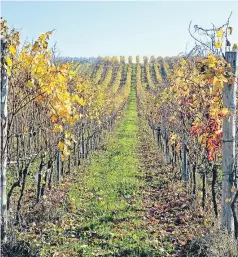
pixel 115 28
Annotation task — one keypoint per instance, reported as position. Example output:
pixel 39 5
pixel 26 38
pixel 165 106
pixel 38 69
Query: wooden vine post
pixel 3 140
pixel 228 150
pixel 184 159
pixel 58 167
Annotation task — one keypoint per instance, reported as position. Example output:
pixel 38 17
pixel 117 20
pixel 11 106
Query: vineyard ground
pixel 123 201
pixel 108 199
pixel 108 214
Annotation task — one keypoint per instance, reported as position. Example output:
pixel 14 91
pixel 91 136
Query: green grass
pixel 108 199
pixel 107 215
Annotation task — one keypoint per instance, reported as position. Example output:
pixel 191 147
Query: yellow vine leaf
pixel 215 80
pixel 9 61
pixel 218 85
pixel 61 146
pixel 12 49
pixel 180 73
pixel 71 120
pixel 183 61
pixel 45 44
pixel 30 84
pixel 58 128
pixel 41 37
pixel 211 60
pixel 72 74
pixel 53 118
pixel 61 77
pixel 62 111
pixel 225 111
pixel 9 71
pixel 219 33
pixel 66 151
pixel 78 100
pixel 214 112
pixel 39 70
pixel 67 134
pixel 200 138
pixel 218 44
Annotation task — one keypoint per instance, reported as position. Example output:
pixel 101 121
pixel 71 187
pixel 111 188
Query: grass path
pixel 125 201
pixel 108 199
pixel 111 203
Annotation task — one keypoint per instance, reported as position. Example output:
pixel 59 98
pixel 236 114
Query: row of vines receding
pixel 53 115
pixel 190 104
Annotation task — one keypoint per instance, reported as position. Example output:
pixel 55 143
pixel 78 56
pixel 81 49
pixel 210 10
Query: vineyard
pixel 118 157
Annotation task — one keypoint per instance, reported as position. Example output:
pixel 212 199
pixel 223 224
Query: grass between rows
pixel 123 201
pixel 108 197
pixel 107 214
